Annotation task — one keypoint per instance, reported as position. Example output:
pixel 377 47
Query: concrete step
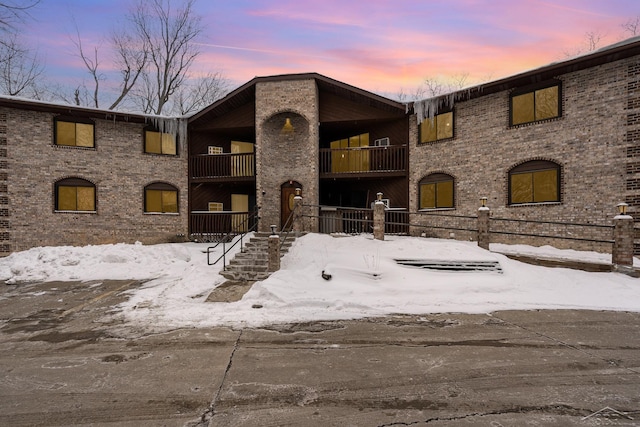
pixel 244 276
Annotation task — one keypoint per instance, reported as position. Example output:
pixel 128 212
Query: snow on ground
pixel 365 281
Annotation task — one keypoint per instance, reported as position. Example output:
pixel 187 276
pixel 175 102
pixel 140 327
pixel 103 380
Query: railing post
pixel 483 224
pixel 622 253
pixel 378 218
pixel 274 250
pixel 298 226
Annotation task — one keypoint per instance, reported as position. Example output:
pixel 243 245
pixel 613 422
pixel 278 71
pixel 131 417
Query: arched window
pixel 537 181
pixel 75 194
pixel 436 191
pixel 160 197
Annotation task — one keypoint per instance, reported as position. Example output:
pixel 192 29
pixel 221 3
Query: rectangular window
pixel 162 201
pixel 73 134
pixel 536 105
pixel 214 150
pixel 72 198
pixel 160 143
pixel 350 155
pixel 215 206
pixel 438 128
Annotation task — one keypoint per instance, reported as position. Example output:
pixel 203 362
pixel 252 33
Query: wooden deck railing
pixel 363 160
pixel 222 165
pixel 214 224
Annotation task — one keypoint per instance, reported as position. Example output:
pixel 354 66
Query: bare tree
pixel 91 63
pixel 131 59
pixel 592 41
pixel 169 35
pixel 197 93
pixel 20 68
pixel 13 12
pixel 153 52
pixel 632 27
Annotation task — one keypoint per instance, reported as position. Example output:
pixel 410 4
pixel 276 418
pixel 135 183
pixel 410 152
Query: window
pixel 437 128
pixel 159 143
pixel 436 191
pixel 350 155
pixel 214 150
pixel 75 194
pixel 536 181
pixel 72 133
pixel 215 206
pixel 160 198
pixel 534 105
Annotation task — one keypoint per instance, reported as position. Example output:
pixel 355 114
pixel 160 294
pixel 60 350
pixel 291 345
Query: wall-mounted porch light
pixel 287 127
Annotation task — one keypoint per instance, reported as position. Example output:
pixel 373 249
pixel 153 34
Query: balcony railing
pixel 212 226
pixel 222 165
pixel 362 160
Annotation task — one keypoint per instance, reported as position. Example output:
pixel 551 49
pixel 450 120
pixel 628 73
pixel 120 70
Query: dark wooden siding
pixel 335 108
pixel 361 193
pixel 202 194
pixel 241 117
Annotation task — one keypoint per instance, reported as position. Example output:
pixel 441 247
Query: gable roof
pixel 246 93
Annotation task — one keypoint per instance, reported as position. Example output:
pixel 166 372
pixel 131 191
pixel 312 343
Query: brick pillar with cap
pixel 483 224
pixel 274 250
pixel 622 253
pixel 298 224
pixel 378 218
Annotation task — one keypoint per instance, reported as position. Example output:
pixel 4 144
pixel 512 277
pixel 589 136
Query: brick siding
pixel 118 168
pixel 285 157
pixel 596 142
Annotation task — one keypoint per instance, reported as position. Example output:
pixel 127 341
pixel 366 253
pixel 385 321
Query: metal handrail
pixel 240 226
pixel 288 221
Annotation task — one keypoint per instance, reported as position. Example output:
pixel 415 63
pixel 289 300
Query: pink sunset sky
pixel 378 45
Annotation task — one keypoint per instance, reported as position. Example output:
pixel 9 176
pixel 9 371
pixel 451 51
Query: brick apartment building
pixel 558 143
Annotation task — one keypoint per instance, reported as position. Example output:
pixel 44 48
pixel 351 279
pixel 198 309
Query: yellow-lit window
pixel 436 192
pixel 534 182
pixel 160 198
pixel 437 128
pixel 215 206
pixel 159 143
pixel 535 105
pixel 75 194
pixel 350 154
pixel 73 134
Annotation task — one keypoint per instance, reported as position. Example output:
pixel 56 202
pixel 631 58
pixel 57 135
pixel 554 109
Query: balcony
pixel 370 161
pixel 209 167
pixel 213 226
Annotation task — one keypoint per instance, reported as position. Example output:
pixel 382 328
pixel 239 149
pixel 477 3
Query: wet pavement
pixel 65 360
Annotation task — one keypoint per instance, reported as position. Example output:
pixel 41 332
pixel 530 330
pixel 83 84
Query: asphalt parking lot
pixel 65 360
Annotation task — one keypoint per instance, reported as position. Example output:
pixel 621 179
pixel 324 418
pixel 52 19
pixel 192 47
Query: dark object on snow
pixel 326 276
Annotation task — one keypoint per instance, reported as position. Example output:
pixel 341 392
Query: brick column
pixel 274 251
pixel 378 218
pixel 483 226
pixel 298 224
pixel 622 253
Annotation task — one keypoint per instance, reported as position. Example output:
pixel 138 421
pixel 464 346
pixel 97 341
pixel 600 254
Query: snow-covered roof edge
pixel 166 124
pixel 428 108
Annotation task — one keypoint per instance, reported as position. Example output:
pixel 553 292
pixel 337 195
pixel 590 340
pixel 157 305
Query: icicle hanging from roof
pixel 428 108
pixel 171 125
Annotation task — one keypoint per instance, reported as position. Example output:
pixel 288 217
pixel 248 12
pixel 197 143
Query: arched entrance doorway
pixel 287 193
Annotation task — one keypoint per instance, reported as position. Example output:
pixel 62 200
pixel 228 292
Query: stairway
pixel 251 264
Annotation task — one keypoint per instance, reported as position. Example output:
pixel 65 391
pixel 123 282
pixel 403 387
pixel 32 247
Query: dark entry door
pixel 287 193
